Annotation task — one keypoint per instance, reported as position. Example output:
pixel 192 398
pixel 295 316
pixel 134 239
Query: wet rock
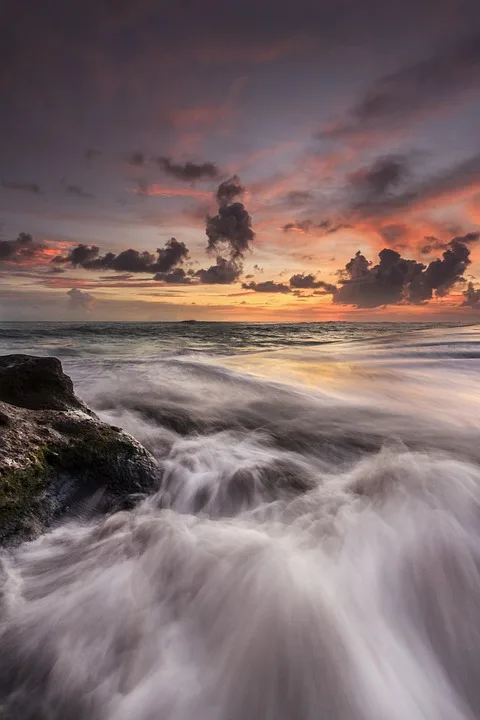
pixel 55 453
pixel 38 383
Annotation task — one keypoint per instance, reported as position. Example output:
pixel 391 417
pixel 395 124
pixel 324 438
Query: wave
pixel 313 551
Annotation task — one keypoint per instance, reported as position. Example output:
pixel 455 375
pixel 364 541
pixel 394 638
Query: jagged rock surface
pixel 55 453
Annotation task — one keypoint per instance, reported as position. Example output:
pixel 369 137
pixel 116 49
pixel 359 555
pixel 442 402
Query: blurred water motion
pixel 313 552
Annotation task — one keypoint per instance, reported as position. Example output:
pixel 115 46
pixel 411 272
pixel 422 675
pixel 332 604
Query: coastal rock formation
pixel 55 453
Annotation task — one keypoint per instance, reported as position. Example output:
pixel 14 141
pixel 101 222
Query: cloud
pixel 230 231
pixel 78 191
pixel 79 299
pixel 326 227
pixel 229 235
pixel 387 194
pixel 128 261
pixel 189 171
pixel 377 182
pixel 145 190
pixel 228 190
pixel 23 249
pixel 415 90
pixel 79 255
pixel 299 197
pixel 172 254
pixel 441 275
pixel 224 272
pixel 397 280
pixel 302 281
pixel 175 277
pixel 384 284
pixel 393 232
pixel 137 159
pixel 434 243
pixel 116 278
pixel 21 187
pixel 296 284
pixel 269 286
pixel 303 226
pixel 471 297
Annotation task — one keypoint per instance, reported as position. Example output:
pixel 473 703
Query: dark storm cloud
pixel 128 261
pixel 21 187
pixel 78 191
pixel 224 272
pixel 137 158
pixel 189 171
pixel 23 249
pixel 269 286
pixel 398 280
pixel 302 281
pixel 409 93
pixel 471 297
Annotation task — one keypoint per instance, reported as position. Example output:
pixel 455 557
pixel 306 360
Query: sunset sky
pixel 306 131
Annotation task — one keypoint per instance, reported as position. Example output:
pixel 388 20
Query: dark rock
pixel 4 419
pixel 38 383
pixel 55 453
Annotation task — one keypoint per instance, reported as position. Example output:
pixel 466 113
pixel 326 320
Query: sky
pixel 256 161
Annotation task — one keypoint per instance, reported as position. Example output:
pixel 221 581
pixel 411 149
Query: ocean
pixel 313 551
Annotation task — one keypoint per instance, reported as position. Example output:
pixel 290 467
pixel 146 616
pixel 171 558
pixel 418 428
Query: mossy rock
pixel 52 458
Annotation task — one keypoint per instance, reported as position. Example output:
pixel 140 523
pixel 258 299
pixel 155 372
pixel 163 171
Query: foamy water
pixel 313 551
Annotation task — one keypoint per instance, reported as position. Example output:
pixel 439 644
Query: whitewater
pixel 311 553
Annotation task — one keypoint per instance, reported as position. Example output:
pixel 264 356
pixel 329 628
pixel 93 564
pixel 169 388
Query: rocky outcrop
pixel 37 383
pixel 55 454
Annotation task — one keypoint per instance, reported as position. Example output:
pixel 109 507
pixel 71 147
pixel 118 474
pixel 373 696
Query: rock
pixel 56 454
pixel 38 383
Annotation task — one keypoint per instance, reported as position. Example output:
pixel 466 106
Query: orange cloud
pixel 162 191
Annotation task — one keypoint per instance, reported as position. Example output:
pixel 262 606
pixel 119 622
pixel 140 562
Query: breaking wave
pixel 313 551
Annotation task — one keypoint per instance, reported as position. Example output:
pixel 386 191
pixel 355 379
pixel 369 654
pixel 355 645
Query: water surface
pixel 312 552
